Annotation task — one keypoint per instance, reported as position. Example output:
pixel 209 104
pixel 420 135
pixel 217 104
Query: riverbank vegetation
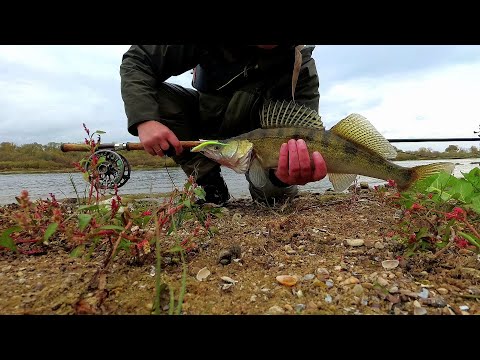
pixel 49 158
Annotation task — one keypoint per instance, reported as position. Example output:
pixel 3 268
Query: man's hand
pixel 295 167
pixel 157 138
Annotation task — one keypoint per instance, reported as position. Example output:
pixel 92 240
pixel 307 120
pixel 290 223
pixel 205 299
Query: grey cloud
pixel 338 63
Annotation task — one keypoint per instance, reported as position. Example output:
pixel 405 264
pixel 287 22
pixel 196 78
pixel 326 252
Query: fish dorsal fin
pixel 341 182
pixel 275 114
pixel 357 129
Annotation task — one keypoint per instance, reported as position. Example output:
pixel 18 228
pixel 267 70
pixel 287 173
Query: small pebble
pixel 289 250
pixel 328 299
pixel 287 280
pixel 309 277
pixel 464 308
pixel 382 282
pixel 288 307
pixel 275 310
pixel 393 290
pixel 419 311
pixel 350 281
pixel 442 291
pixel 299 307
pixel 379 245
pixel 423 294
pixel 390 264
pixel 322 271
pixel 358 290
pixel 329 283
pixel 355 242
pixel 312 306
pixel 203 274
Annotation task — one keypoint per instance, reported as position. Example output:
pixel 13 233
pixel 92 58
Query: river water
pixel 161 181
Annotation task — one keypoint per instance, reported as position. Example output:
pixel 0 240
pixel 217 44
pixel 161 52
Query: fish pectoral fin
pixel 357 129
pixel 257 174
pixel 341 182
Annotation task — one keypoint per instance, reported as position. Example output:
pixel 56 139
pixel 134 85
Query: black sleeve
pixel 143 69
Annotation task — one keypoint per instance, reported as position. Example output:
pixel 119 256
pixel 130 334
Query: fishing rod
pixel 115 169
pixel 434 140
pixel 119 146
pixel 129 146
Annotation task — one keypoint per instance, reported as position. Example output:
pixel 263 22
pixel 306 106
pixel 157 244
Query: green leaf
pixel 423 232
pixel 471 239
pixel 6 240
pixel 85 176
pixel 50 231
pixel 475 204
pixel 441 182
pixel 200 192
pixel 124 245
pixel 112 227
pixel 187 203
pixel 176 248
pixel 88 207
pixel 461 190
pixel 78 251
pixel 407 203
pixel 99 132
pixel 473 177
pixel 422 185
pixel 83 221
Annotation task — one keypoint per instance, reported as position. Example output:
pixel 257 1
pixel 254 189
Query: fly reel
pixel 112 169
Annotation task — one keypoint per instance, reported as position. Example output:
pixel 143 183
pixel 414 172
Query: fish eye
pixel 216 147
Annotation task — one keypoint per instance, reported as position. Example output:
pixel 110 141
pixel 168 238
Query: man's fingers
pixel 282 169
pixel 304 161
pixel 319 166
pixel 293 163
pixel 158 150
pixel 173 140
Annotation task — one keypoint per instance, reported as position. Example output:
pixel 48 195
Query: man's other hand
pixel 295 166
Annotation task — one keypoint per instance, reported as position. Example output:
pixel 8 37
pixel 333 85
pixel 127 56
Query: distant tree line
pixel 450 152
pixel 38 157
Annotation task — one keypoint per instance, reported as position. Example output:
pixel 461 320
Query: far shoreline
pixel 152 168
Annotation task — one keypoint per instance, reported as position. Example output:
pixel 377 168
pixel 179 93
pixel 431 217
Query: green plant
pixel 439 211
pixel 107 226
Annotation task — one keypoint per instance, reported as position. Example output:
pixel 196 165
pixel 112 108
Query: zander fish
pixel 351 147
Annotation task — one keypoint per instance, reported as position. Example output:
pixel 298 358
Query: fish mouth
pixel 201 146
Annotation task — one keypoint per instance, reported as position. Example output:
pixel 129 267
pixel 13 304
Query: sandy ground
pixel 309 240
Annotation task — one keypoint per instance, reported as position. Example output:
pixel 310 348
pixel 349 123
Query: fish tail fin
pixel 423 171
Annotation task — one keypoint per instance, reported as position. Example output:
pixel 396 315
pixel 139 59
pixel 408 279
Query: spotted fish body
pixel 351 147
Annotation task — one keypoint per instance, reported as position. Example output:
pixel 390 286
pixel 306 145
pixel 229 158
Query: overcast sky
pixel 47 92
